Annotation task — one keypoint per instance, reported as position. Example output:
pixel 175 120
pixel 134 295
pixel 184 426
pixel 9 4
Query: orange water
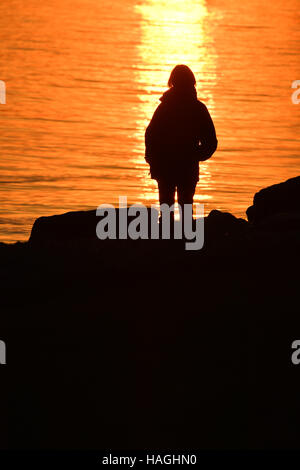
pixel 83 78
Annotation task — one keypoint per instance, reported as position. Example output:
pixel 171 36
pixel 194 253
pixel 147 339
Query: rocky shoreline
pixel 134 344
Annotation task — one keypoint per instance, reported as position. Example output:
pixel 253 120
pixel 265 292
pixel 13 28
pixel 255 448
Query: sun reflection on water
pixel 172 32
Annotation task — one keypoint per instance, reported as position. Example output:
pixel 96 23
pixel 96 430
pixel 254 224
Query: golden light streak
pixel 172 32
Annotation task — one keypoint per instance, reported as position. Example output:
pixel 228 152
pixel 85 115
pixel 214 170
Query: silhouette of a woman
pixel 181 133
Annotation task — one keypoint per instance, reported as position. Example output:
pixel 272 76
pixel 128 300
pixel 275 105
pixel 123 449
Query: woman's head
pixel 182 76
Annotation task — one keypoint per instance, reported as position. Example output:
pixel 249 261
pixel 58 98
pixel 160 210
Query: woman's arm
pixel 208 136
pixel 153 134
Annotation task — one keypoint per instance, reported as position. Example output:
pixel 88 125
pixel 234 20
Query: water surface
pixel 83 78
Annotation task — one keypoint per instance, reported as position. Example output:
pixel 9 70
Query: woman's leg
pixel 185 193
pixel 166 192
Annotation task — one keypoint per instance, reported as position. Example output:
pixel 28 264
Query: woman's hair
pixel 182 76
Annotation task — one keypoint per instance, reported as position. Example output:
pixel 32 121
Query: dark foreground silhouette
pixel 124 344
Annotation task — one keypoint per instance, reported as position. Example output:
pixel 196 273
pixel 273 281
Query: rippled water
pixel 83 78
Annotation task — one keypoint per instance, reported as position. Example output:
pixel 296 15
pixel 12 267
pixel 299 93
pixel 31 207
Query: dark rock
pixel 282 221
pixel 137 345
pixel 70 226
pixel 81 226
pixel 278 198
pixel 219 223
